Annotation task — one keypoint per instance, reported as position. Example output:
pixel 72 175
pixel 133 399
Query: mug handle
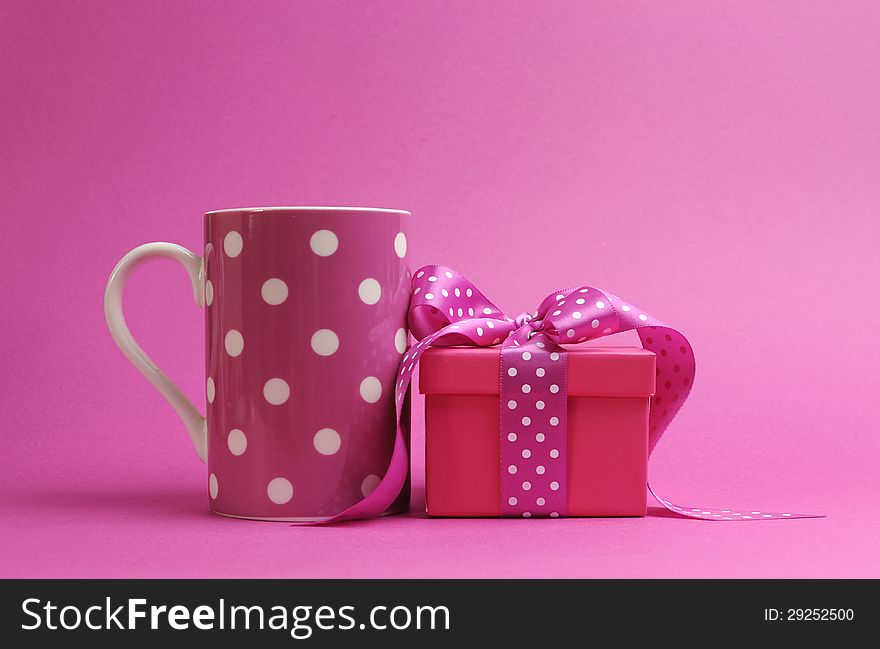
pixel 193 420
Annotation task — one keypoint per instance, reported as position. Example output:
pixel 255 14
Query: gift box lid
pixel 592 371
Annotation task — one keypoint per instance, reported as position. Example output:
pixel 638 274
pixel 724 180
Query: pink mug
pixel 306 323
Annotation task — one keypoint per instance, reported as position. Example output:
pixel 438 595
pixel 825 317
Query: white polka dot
pixel 557 312
pixel 511 437
pixel 369 291
pixel 325 342
pixel 554 486
pixel 420 273
pixel 512 501
pixel 511 404
pixel 323 243
pixel 526 388
pixel 554 514
pixel 470 311
pixel 526 453
pixel 400 340
pixel 479 331
pixel 511 371
pixel 371 389
pixel 429 296
pixel 540 345
pixel 487 310
pixel 448 274
pixel 490 324
pixel 526 485
pixel 600 304
pixel 786 514
pixel 554 453
pixel 280 490
pixel 327 441
pixel 234 343
pixel 539 437
pixel 209 293
pixel 580 300
pixel 554 388
pixel 469 293
pixel 213 486
pixel 276 391
pixel 583 290
pixel 594 324
pixel 460 313
pixel 432 278
pixel 607 330
pixel 232 244
pixel 642 317
pixel 540 502
pixel 570 333
pixel 539 405
pixel 554 356
pixel 526 356
pixel 511 469
pixel 576 315
pixel 210 390
pixel 559 297
pixel 539 371
pixel 527 514
pixel 444 292
pixel 274 291
pixel 369 484
pixel 540 469
pixel 526 421
pixel 236 441
pixel 625 307
pixel 400 245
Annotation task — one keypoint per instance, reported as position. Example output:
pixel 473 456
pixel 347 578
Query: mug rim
pixel 308 208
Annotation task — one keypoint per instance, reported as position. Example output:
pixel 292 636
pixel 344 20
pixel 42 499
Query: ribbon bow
pixel 446 310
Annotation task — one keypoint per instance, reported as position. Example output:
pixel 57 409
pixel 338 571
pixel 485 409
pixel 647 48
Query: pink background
pixel 717 164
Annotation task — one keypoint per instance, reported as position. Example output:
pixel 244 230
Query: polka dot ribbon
pixel 447 310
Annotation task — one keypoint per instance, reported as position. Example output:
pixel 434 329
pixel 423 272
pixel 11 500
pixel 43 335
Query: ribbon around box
pixel 447 310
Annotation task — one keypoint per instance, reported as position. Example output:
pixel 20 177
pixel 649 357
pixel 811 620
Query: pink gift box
pixel 609 394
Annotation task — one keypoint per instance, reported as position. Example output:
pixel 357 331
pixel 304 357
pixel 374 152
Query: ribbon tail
pixel 675 371
pixel 392 483
pixel 715 514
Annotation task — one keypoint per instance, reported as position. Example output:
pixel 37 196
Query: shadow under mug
pixel 305 311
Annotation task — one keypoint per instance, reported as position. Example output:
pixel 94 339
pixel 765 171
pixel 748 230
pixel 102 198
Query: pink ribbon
pixel 446 310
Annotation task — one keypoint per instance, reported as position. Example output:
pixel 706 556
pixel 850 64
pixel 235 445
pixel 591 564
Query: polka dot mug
pixel 306 323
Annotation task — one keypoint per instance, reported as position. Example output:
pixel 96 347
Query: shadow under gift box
pixel 609 395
